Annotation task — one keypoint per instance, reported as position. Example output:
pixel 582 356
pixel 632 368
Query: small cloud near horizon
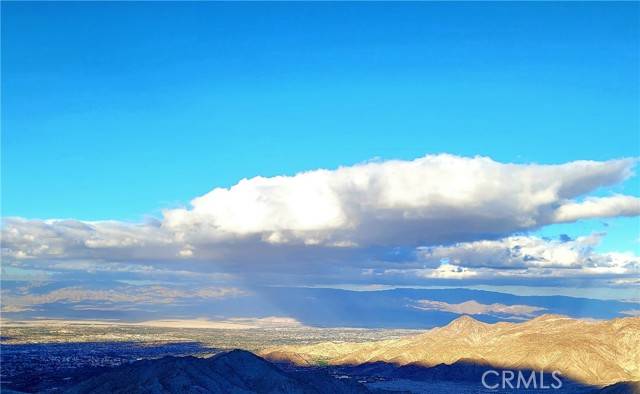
pixel 473 307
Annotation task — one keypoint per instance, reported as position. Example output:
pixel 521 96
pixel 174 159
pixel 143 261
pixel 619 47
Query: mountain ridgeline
pixel 242 372
pixel 590 352
pixel 592 357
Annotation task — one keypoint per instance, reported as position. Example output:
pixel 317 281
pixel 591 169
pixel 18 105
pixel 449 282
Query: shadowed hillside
pixel 237 371
pixel 620 388
pixel 242 372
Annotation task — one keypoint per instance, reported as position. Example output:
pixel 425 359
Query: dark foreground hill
pixel 243 372
pixel 621 388
pixel 468 375
pixel 235 372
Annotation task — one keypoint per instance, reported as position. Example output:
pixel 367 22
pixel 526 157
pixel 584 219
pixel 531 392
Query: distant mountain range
pixel 591 352
pixel 324 307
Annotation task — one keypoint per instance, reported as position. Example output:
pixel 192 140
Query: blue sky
pixel 119 111
pixel 167 101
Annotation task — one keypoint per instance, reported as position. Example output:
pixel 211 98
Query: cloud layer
pixel 439 217
pixel 524 257
pixel 533 252
pixel 437 199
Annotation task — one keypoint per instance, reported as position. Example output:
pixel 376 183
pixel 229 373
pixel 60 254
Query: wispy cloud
pixel 598 207
pixel 473 307
pixel 631 312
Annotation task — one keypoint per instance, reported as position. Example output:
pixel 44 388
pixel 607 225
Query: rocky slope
pixel 591 352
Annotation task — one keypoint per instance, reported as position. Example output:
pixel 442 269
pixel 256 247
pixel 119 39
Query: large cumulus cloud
pixel 434 199
pixel 345 216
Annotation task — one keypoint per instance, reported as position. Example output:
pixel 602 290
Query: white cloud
pixel 433 199
pixel 25 239
pixel 627 282
pixel 448 271
pixel 473 307
pixel 348 215
pixel 598 207
pixel 534 252
pixel 15 308
pixel 520 258
pixel 631 312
